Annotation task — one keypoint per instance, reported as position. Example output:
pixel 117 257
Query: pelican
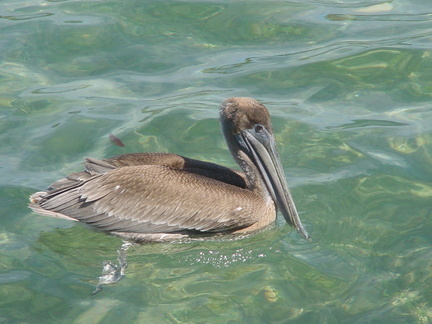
pixel 153 197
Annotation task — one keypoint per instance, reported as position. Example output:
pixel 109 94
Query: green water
pixel 349 86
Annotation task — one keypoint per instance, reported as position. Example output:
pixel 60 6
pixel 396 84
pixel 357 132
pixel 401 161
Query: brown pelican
pixel 147 197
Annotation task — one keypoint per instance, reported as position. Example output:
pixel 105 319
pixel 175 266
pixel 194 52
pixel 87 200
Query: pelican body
pixel 149 197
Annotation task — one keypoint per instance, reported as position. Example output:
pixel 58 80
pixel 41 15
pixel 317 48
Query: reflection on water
pixel 349 88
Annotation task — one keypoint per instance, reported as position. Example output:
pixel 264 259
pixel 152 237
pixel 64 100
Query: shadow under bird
pixel 150 197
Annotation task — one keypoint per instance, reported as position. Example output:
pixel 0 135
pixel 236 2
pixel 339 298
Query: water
pixel 349 87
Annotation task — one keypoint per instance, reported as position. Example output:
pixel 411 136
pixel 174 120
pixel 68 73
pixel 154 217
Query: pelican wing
pixel 131 197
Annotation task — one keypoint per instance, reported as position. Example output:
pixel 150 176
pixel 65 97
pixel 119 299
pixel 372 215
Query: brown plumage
pixel 161 196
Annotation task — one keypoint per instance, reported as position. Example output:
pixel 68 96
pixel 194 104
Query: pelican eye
pixel 259 128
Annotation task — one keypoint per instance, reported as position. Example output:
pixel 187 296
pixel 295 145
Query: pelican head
pixel 249 134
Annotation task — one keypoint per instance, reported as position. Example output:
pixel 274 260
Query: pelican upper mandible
pixel 148 197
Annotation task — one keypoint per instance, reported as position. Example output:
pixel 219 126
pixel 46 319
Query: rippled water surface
pixel 349 87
